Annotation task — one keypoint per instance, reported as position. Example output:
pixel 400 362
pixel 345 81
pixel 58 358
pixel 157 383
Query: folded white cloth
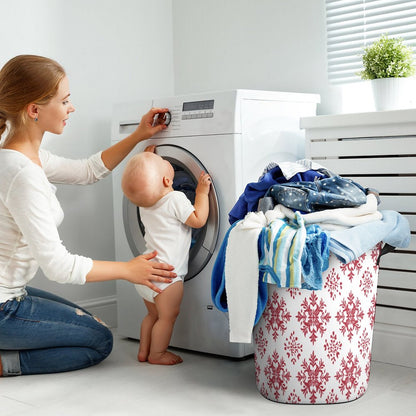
pixel 290 169
pixel 340 218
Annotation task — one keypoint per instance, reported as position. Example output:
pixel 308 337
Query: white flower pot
pixel 392 93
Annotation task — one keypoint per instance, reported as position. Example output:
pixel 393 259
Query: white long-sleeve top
pixel 30 214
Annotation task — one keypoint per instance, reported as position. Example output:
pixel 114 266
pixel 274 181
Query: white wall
pixel 112 52
pixel 262 44
pixel 120 50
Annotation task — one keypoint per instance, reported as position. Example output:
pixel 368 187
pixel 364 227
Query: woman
pixel 39 332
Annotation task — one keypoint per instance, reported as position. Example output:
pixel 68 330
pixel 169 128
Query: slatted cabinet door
pixel 378 150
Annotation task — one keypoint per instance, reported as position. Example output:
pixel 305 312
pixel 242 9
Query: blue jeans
pixel 43 333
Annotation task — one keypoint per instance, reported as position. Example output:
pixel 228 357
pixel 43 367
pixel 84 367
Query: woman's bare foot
pixel 165 358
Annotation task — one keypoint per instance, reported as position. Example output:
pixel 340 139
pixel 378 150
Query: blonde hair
pixel 142 181
pixel 26 79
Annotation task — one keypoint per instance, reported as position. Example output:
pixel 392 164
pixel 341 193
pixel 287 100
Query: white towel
pixel 241 271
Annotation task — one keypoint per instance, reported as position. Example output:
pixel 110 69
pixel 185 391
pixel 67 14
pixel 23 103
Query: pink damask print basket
pixel 315 346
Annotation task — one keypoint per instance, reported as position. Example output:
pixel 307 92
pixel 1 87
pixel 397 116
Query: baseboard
pixel 105 308
pixel 394 344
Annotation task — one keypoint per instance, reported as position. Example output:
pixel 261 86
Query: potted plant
pixel 387 63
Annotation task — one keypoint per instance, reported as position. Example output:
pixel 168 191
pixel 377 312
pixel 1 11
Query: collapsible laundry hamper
pixel 315 346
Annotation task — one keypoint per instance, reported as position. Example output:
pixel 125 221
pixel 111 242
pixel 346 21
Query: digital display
pixel 198 105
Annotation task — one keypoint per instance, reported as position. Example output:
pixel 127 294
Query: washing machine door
pixel 187 170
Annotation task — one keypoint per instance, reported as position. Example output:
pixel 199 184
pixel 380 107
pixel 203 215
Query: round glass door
pixel 187 169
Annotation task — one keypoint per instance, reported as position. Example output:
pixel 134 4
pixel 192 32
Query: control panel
pixel 199 114
pixel 198 109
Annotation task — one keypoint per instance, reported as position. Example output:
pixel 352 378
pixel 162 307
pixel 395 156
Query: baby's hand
pixel 204 183
pixel 151 148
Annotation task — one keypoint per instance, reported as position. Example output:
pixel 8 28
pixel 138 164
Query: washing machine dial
pixel 162 118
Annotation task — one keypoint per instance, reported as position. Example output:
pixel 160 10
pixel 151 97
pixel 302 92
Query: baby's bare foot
pixel 142 356
pixel 143 353
pixel 165 358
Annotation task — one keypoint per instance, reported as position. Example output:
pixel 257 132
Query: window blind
pixel 355 24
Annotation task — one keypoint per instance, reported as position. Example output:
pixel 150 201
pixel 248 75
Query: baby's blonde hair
pixel 142 181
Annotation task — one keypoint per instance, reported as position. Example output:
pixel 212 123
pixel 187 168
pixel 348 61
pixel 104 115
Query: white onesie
pixel 166 232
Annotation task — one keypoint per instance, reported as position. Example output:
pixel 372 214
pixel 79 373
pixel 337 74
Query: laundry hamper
pixel 315 346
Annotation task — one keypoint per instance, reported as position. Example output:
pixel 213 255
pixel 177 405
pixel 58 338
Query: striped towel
pixel 282 243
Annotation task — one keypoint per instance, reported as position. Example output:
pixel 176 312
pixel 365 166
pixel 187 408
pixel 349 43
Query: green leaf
pixel 387 58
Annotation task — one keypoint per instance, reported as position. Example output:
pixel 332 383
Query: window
pixel 354 24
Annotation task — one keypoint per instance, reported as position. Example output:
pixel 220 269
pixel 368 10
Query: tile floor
pixel 201 385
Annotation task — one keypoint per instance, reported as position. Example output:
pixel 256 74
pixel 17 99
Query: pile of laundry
pixel 283 229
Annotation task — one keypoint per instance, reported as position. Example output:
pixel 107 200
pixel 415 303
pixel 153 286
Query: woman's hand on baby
pixel 146 127
pixel 145 272
pixel 204 183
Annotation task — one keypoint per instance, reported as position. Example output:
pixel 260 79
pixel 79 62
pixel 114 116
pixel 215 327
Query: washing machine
pixel 232 135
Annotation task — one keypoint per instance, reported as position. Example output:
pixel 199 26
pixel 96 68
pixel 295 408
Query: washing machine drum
pixel 187 169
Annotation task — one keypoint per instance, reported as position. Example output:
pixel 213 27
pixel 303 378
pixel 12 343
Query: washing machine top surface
pixel 208 113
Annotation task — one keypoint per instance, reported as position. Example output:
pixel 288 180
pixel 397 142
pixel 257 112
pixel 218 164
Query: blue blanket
pixel 349 244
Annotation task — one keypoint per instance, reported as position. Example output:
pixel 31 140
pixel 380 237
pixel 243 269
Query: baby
pixel 168 217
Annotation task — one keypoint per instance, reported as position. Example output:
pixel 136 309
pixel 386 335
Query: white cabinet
pixel 378 150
